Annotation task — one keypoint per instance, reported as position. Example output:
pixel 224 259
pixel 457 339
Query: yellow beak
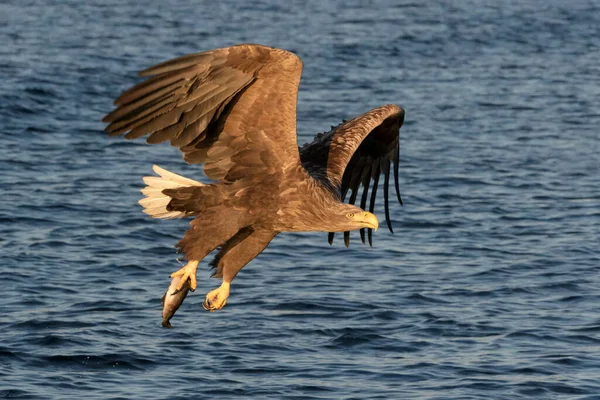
pixel 370 220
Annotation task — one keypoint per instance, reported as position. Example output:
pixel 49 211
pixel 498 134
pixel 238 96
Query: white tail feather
pixel 155 203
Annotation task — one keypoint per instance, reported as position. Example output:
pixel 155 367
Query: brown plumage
pixel 234 111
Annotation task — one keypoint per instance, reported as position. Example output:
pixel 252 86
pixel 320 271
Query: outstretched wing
pixel 226 108
pixel 356 152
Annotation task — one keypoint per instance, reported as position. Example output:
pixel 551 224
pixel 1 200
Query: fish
pixel 172 300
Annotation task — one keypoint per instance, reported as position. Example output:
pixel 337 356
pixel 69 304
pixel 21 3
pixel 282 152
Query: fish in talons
pixel 173 299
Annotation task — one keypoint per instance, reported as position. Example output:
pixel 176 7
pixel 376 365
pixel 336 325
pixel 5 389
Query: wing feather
pixel 179 63
pixel 386 185
pixel 375 172
pixel 138 105
pixel 141 116
pixel 366 181
pixel 163 118
pixel 150 86
pixel 355 153
pixel 241 97
pixel 396 164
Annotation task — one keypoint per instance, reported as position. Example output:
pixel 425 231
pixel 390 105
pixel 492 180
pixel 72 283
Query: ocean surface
pixel 489 288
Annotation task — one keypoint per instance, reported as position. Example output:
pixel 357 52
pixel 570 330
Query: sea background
pixel 489 288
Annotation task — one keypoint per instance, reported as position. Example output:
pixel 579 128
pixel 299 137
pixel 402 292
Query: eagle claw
pixel 208 306
pixel 179 290
pixel 216 299
pixel 185 273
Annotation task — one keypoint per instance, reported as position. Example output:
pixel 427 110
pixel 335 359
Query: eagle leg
pixel 187 272
pixel 216 299
pixel 232 257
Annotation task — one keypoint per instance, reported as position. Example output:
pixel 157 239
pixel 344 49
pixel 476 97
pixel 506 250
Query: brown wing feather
pixel 355 153
pixel 231 99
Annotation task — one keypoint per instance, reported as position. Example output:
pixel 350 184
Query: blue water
pixel 488 289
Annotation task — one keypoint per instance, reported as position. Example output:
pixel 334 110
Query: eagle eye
pixel 350 215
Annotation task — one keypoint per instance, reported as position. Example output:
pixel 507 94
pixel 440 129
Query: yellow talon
pixel 187 272
pixel 216 299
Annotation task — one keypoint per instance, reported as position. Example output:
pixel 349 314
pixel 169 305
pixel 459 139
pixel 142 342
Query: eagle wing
pixel 233 109
pixel 357 152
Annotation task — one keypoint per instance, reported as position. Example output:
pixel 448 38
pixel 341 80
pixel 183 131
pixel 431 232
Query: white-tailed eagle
pixel 234 111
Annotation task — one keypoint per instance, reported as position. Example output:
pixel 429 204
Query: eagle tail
pixel 155 203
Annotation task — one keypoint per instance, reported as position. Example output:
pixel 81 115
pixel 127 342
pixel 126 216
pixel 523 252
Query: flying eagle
pixel 233 109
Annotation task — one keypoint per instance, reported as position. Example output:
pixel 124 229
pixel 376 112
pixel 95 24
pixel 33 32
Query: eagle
pixel 233 109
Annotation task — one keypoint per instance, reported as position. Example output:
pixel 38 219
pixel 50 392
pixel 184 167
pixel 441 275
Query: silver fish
pixel 172 301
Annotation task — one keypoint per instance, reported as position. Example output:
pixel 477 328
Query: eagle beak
pixel 371 220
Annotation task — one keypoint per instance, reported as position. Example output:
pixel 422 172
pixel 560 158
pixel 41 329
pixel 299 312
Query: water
pixel 488 289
